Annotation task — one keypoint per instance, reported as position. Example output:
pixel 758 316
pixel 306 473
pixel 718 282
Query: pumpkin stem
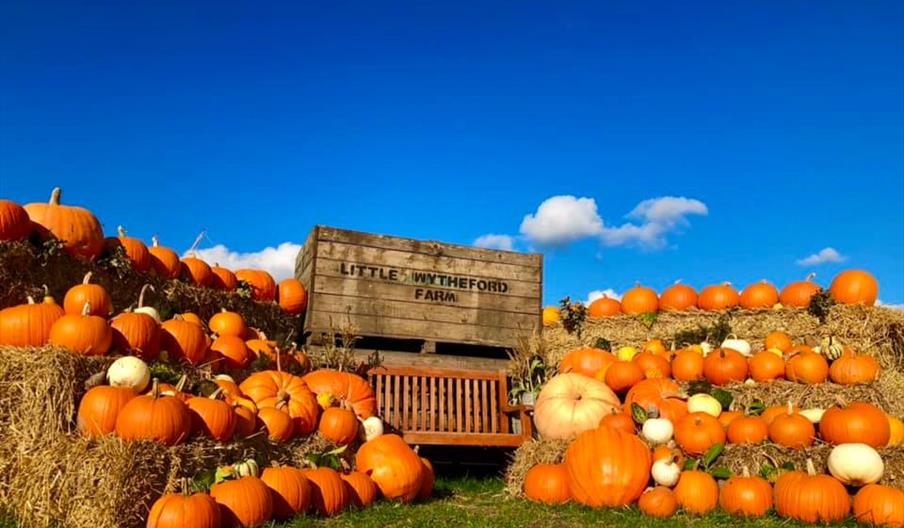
pixel 810 277
pixel 278 359
pixel 216 394
pixel 155 389
pixel 182 381
pixel 790 408
pixel 811 469
pixel 144 288
pixel 121 231
pixel 31 300
pixel 87 278
pixel 155 242
pixel 745 472
pixel 55 196
pixel 86 309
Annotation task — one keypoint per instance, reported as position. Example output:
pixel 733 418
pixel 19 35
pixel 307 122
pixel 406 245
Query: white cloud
pixel 279 260
pixel 658 217
pixel 824 256
pixel 890 306
pixel 562 219
pixel 492 241
pixel 597 294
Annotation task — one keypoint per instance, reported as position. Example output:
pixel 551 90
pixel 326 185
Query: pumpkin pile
pixel 647 425
pixel 79 233
pixel 848 287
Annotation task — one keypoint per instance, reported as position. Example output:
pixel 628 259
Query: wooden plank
pixel 484 392
pixel 442 419
pixel 415 403
pixel 406 260
pixel 452 425
pixel 459 424
pixel 425 404
pixel 432 389
pixel 436 372
pixel 396 412
pixel 425 247
pixel 391 309
pixel 478 424
pixel 402 292
pixel 494 411
pixel 469 417
pixel 438 361
pixel 405 402
pixel 464 439
pixel 372 325
pixel 377 383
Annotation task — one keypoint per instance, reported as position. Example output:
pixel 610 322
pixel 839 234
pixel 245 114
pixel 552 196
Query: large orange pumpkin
pixel 163 419
pixel 196 271
pixel 29 324
pixel 329 493
pixel 271 388
pixel 811 498
pixel 346 388
pixel 180 510
pixel 571 403
pixel 99 407
pixel 766 366
pixel 290 489
pixel 293 298
pixel 662 394
pixel 586 361
pixel 244 502
pixel 798 294
pixel 792 430
pixel 855 287
pixel 547 483
pixel 746 496
pixel 222 278
pixel 263 287
pixel 759 296
pixel 226 323
pixel 653 365
pixel 14 221
pixel 697 492
pixel 696 432
pixel 854 369
pixel 622 375
pixel 135 250
pixel 639 300
pixel 687 365
pixel 607 467
pixel 136 332
pixel 748 430
pixel 85 334
pixel 879 506
pixel 184 341
pixel 362 490
pixel 339 426
pixel 859 422
pixel 778 339
pixel 807 367
pixel 233 352
pixel 393 466
pixel 88 293
pixel 164 261
pixel 604 307
pixel 718 297
pixel 725 365
pixel 277 423
pixel 211 417
pixel 76 227
pixel 677 297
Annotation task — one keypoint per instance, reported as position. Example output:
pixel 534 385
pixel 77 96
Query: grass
pixel 471 502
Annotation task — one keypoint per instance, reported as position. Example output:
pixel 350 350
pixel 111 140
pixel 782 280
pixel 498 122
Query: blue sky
pixel 777 128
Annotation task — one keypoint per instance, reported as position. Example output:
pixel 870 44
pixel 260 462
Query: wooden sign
pixel 409 289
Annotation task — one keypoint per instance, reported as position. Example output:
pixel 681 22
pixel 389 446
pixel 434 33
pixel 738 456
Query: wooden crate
pixel 429 292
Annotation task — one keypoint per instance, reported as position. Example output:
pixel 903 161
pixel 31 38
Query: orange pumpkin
pixel 687 366
pixel 339 426
pixel 271 388
pixel 725 365
pixel 658 502
pixel 164 261
pixel 14 222
pixel 791 429
pixel 726 417
pixel 222 278
pixel 244 502
pixel 746 496
pixel 428 479
pixel 547 483
pixel 551 316
pixel 136 332
pixel 604 307
pixel 677 297
pixel 135 250
pixel 777 410
pixel 896 432
pixel 263 287
pixel 76 227
pixel 759 296
pixel 622 375
pixel 607 467
pixel 293 298
pixel 233 351
pixel 879 506
pixel 192 318
pixel 393 466
pixel 196 271
pixel 87 293
pixel 653 365
pixel 855 287
pixel 329 493
pixel 811 498
pixel 618 420
pixel 696 432
pixel 807 367
pixel 718 297
pixel 586 361
pixel 28 325
pixel 798 294
pixel 181 510
pixel 184 341
pixel 87 335
pixel 766 366
pixel 662 394
pixel 779 340
pixel 362 490
pixel 245 421
pixel 747 430
pixel 854 369
pixel 99 407
pixel 345 388
pixel 163 419
pixel 226 323
pixel 639 300
pixel 570 403
pixel 290 489
pixel 859 422
pixel 697 492
pixel 211 417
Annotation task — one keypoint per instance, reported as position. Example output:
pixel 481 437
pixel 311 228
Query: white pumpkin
pixel 739 345
pixel 856 464
pixel 372 428
pixel 147 310
pixel 704 403
pixel 626 353
pixel 570 404
pixel 129 371
pixel 814 415
pixel 658 430
pixel 665 472
pixel 706 348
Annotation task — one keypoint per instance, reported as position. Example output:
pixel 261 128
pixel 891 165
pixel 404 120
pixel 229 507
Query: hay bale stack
pixel 24 268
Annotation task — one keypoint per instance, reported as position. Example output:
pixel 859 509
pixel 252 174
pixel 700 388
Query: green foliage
pixel 331 459
pixel 164 372
pixel 603 344
pixel 647 319
pixel 821 304
pixel 573 315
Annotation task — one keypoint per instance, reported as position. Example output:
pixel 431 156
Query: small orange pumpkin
pixel 14 221
pixel 135 250
pixel 93 294
pixel 791 429
pixel 244 502
pixel 263 287
pixel 29 324
pixel 854 369
pixel 677 297
pixel 798 294
pixel 226 323
pixel 696 432
pixel 339 426
pixel 196 271
pixel 622 375
pixel 184 341
pixel 290 489
pixel 587 361
pixel 293 298
pixel 718 297
pixel 687 366
pixel 747 430
pixel 362 490
pixel 547 483
pixel 746 496
pixel 163 419
pixel 807 367
pixel 211 417
pixel 222 278
pixel 658 502
pixel 810 497
pixel 232 350
pixel 99 408
pixel 859 422
pixel 164 261
pixel 639 300
pixel 779 340
pixel 85 334
pixel 879 506
pixel 766 366
pixel 697 492
pixel 725 365
pixel 759 296
pixel 855 287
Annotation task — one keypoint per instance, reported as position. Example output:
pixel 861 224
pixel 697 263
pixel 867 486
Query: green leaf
pixel 690 464
pixel 712 454
pixel 203 481
pixel 602 343
pixel 638 414
pixel 720 472
pixel 647 319
pixel 787 466
pixel 722 396
pixel 767 470
pixel 756 408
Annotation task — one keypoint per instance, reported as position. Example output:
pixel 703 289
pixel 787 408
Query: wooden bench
pixel 449 406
